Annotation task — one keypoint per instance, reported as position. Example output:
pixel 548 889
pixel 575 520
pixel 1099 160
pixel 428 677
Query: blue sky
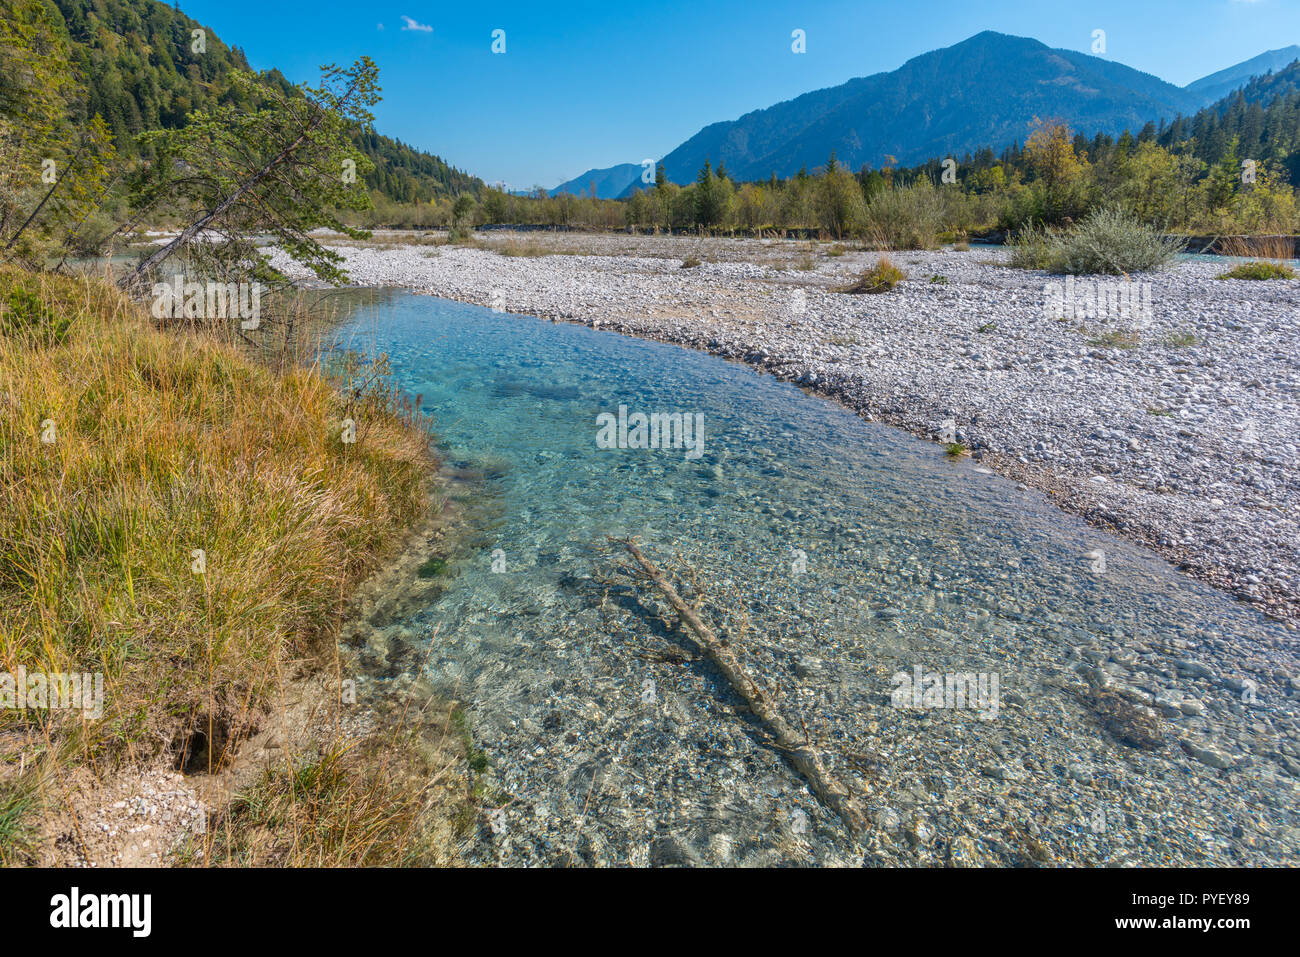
pixel 584 85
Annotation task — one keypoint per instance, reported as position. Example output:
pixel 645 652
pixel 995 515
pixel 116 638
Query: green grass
pixel 1259 271
pixel 1115 339
pixel 1181 339
pixel 16 841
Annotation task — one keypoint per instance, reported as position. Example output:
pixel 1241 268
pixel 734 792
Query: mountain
pixel 610 182
pixel 985 90
pixel 1265 89
pixel 1262 119
pixel 1218 85
pixel 139 71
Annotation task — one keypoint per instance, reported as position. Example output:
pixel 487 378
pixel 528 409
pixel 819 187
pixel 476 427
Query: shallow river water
pixel 1125 713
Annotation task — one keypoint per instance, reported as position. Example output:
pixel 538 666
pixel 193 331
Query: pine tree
pixel 279 169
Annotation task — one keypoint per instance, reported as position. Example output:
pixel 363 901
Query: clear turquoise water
pixel 1227 261
pixel 911 559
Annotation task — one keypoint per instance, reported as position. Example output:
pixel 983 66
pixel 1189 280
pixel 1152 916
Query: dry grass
pixel 156 445
pixel 1272 248
pixel 881 277
pixel 531 248
pixel 385 800
pixel 1269 257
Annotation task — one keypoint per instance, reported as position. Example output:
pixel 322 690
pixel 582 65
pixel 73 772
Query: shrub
pixel 1109 241
pixel 1031 248
pixel 881 277
pixel 1259 270
pixel 907 218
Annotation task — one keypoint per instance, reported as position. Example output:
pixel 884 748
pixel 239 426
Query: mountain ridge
pixel 610 182
pixel 1219 84
pixel 930 107
pixel 933 93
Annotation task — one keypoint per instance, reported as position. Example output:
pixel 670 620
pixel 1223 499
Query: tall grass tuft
pixel 882 277
pixel 1271 257
pixel 910 217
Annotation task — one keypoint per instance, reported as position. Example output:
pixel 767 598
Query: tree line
pixel 1226 169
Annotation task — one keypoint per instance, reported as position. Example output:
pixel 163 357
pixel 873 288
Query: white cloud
pixel 410 24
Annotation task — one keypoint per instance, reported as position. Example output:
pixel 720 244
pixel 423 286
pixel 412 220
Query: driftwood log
pixel 800 751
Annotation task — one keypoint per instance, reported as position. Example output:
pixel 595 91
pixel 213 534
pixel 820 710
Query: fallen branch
pixel 802 755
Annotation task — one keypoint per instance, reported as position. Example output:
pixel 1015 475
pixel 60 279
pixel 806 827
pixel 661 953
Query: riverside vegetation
pixel 190 503
pixel 158 444
pixel 1216 174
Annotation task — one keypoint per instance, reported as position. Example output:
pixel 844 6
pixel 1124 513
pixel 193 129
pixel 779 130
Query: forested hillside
pixel 1263 118
pixel 137 62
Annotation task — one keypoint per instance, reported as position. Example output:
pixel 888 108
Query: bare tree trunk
pixel 41 205
pixel 801 753
pixel 198 225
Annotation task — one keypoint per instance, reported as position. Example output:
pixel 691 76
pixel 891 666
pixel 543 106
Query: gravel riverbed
pixel 1177 429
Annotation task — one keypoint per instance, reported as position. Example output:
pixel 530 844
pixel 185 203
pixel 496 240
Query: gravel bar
pixel 1177 430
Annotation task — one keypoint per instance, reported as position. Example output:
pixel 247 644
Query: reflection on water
pixel 839 554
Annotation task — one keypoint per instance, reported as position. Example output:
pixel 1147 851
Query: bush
pixel 881 277
pixel 908 218
pixel 1031 248
pixel 1108 241
pixel 1261 270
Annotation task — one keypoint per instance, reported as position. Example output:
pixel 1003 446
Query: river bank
pixel 185 522
pixel 1181 438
